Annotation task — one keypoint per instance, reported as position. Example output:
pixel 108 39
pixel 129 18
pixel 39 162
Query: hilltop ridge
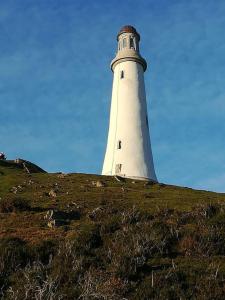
pixel 81 236
pixel 19 163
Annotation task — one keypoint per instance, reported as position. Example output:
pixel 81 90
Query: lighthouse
pixel 128 152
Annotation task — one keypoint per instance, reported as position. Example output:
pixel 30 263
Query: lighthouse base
pixel 123 176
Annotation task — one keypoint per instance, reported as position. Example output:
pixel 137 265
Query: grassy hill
pixel 80 236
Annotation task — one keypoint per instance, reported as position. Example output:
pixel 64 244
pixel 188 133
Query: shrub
pixel 14 254
pixel 88 238
pixel 68 265
pixel 206 241
pixel 14 204
pixel 129 249
pixel 34 282
pixel 111 225
pixel 98 284
pixel 130 216
pixel 44 251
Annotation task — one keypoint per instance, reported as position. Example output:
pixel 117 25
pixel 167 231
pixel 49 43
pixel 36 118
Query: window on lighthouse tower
pixel 118 168
pixel 124 42
pixel 147 121
pixel 131 43
pixel 121 74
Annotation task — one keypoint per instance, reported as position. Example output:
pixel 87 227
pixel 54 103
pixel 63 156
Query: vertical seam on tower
pixel 116 119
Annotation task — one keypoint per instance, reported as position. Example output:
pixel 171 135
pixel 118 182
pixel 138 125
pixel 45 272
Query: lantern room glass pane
pixel 131 43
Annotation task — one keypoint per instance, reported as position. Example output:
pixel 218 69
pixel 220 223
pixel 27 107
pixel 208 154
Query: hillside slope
pixel 79 236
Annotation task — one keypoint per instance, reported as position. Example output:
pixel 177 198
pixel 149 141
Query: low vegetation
pixel 76 236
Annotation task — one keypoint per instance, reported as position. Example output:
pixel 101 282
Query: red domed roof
pixel 129 29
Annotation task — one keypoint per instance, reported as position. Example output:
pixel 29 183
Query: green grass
pixel 127 239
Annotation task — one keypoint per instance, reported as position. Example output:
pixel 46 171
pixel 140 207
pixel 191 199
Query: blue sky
pixel 55 83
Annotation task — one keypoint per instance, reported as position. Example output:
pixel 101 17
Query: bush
pixel 98 284
pixel 14 255
pixel 34 282
pixel 89 238
pixel 14 204
pixel 44 251
pixel 111 225
pixel 206 241
pixel 129 249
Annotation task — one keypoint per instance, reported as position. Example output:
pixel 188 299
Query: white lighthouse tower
pixel 128 151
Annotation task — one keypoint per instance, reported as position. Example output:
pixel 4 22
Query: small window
pixel 147 121
pixel 121 74
pixel 118 168
pixel 119 145
pixel 131 43
pixel 136 46
pixel 124 43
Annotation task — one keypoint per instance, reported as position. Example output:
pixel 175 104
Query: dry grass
pixel 131 240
